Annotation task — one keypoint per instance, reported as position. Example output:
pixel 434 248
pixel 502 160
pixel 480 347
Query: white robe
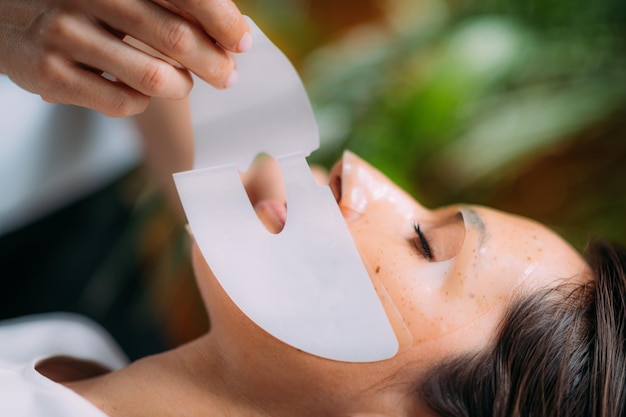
pixel 24 342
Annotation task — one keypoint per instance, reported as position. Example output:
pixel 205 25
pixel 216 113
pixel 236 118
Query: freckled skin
pixel 497 254
pixel 436 307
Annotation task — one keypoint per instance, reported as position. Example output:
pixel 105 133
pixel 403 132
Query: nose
pixel 357 185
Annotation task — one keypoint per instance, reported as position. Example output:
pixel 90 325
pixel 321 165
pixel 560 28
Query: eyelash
pixel 421 243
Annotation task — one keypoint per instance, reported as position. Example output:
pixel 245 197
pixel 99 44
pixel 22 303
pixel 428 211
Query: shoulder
pixel 24 394
pixel 28 338
pixel 25 342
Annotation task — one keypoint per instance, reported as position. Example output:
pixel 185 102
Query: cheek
pixel 473 336
pixel 415 289
pixel 434 299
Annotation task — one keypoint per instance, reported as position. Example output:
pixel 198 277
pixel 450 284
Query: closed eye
pixel 421 243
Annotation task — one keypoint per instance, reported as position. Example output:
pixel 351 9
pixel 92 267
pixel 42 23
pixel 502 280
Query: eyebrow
pixel 472 218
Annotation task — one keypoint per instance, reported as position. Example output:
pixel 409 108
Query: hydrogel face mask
pixel 306 285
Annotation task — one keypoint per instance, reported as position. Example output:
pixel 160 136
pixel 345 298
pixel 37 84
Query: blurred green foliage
pixel 487 102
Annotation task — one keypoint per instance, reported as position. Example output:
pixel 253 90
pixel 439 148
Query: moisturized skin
pixel 468 262
pixel 445 293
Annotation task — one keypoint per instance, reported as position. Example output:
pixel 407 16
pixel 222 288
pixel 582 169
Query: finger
pixel 264 181
pixel 221 19
pixel 320 174
pixel 71 84
pixel 272 214
pixel 174 37
pixel 169 6
pixel 150 76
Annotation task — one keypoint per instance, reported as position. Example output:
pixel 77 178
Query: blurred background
pixel 516 104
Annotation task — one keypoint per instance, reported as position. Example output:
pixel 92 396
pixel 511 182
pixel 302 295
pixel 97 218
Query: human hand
pixel 59 49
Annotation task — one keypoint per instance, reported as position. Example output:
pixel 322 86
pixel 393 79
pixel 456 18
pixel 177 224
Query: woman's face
pixel 446 268
pixel 445 276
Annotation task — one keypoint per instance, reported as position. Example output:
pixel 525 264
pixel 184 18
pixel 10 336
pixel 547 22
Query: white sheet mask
pixel 306 285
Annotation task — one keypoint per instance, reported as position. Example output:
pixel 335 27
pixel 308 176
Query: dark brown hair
pixel 558 353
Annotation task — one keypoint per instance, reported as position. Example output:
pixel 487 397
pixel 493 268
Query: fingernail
pixel 245 43
pixel 232 80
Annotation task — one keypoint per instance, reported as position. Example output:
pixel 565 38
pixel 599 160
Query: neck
pixel 193 380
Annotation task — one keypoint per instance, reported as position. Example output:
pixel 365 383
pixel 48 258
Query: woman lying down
pixel 504 317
